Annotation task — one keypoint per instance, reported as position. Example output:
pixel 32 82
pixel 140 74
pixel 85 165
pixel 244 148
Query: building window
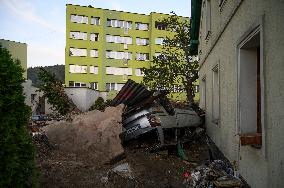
pixel 208 20
pixel 95 21
pixel 118 55
pixel 78 52
pixel 33 97
pixel 118 39
pixel 110 86
pixel 119 86
pixel 78 35
pixel 157 54
pixel 94 37
pixel 141 26
pixel 79 19
pixel 94 70
pixel 77 68
pixel 138 72
pixel 196 89
pixel 142 56
pixel 203 94
pixel 142 41
pixel 250 94
pixel 159 41
pixel 215 95
pixel 221 4
pixel 114 86
pixel 94 53
pixel 118 71
pixel 119 23
pixel 77 84
pixel 160 25
pixel 71 84
pixel 177 88
pixel 94 85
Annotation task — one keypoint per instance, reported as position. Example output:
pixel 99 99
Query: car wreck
pixel 148 111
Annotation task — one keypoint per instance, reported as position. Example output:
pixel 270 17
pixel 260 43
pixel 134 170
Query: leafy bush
pixel 100 104
pixel 17 153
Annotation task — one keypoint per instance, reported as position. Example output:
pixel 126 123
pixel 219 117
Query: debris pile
pixel 214 174
pixel 92 135
pixel 147 111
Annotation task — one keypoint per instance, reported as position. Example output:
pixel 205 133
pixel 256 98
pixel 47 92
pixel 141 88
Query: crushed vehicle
pixel 152 111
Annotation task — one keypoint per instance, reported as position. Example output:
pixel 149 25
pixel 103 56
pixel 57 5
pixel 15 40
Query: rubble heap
pixel 92 135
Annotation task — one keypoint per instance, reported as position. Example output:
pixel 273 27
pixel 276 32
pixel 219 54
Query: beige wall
pixel 260 167
pixel 18 51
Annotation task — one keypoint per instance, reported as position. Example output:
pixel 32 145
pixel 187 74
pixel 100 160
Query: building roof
pixel 194 26
pixel 122 11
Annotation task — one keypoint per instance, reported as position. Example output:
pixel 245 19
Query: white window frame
pixel 94 69
pixel 74 18
pixel 208 20
pixel 77 35
pixel 94 36
pixel 95 21
pixel 203 93
pixel 216 94
pixel 94 53
pixel 73 51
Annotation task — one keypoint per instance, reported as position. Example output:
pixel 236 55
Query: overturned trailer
pixel 148 111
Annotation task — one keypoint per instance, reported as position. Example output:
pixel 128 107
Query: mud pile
pixel 93 135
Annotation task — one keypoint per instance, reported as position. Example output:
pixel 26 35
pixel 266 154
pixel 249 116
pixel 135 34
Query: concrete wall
pixel 18 51
pixel 28 91
pixel 83 98
pixel 260 167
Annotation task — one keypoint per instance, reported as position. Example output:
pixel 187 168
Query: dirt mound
pixel 93 135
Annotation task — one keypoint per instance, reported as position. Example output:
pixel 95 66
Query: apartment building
pixel 240 47
pixel 105 48
pixel 18 51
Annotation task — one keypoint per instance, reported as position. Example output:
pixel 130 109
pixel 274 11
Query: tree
pixel 58 70
pixel 54 91
pixel 17 153
pixel 174 65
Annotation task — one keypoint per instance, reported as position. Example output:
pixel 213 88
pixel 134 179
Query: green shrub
pixel 17 153
pixel 100 104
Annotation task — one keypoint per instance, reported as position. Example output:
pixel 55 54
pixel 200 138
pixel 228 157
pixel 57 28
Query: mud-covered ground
pixel 164 169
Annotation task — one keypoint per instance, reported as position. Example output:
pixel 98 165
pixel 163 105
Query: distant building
pixel 240 46
pixel 18 50
pixel 105 48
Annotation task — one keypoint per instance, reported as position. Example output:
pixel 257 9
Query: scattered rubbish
pixel 181 153
pixel 216 173
pixel 123 170
pixel 104 179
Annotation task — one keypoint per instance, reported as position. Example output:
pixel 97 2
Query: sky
pixel 41 23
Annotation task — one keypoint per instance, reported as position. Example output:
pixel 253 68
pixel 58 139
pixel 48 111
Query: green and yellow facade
pixel 97 21
pixel 18 51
